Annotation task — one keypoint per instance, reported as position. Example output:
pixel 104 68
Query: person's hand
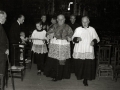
pixel 44 40
pixel 7 52
pixel 51 36
pixel 26 38
pixel 79 39
pixel 21 50
pixel 29 38
pixel 69 39
pixel 92 43
pixel 48 41
pixel 22 37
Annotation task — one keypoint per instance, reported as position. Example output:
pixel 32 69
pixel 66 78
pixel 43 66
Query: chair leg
pixel 24 70
pixel 21 75
pixel 1 86
pixel 98 74
pixel 12 80
pixel 112 75
pixel 7 78
pixel 30 65
pixel 116 75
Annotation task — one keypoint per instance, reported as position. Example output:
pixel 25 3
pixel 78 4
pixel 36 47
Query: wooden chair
pixel 1 82
pixel 28 56
pixel 117 63
pixel 104 68
pixel 9 73
pixel 18 66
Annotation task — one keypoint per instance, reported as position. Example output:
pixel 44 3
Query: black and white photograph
pixel 59 44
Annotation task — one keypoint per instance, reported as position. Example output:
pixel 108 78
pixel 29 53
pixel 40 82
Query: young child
pixel 23 41
pixel 23 38
pixel 39 47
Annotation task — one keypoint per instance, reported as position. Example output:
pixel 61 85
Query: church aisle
pixel 34 82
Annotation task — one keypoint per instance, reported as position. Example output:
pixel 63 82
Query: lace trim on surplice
pixel 39 49
pixel 87 55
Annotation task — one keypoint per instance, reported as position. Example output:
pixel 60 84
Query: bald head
pixel 85 21
pixel 61 19
pixel 3 16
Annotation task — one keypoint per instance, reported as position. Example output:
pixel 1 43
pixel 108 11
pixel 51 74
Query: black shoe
pixel 54 79
pixel 85 82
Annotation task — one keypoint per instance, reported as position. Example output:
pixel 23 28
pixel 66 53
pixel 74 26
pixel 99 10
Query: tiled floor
pixel 34 82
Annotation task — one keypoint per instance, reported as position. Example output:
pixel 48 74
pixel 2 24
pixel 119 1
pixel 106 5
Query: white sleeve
pixel 76 33
pixel 45 35
pixel 33 34
pixel 95 35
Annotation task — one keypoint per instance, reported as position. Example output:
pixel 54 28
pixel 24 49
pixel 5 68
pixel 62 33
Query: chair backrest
pixel 19 54
pixel 117 55
pixel 104 54
pixel 115 47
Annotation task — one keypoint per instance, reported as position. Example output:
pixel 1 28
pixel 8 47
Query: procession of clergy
pixel 58 49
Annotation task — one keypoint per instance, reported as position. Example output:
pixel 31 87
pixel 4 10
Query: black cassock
pixel 14 38
pixel 4 45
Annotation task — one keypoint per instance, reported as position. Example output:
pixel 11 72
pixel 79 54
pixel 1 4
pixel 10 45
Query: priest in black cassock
pixel 15 36
pixel 4 45
pixel 73 25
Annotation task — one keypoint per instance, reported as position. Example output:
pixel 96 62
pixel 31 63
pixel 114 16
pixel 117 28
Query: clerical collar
pixel 39 30
pixel 18 22
pixel 72 23
pixel 83 27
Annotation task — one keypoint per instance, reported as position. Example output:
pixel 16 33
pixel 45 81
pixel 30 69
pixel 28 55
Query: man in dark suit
pixel 15 30
pixel 15 36
pixel 4 45
pixel 73 25
pixel 44 22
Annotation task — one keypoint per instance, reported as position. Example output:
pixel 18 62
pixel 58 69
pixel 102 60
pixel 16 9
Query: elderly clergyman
pixel 4 45
pixel 59 50
pixel 85 37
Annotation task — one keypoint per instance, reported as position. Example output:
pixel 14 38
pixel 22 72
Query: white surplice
pixel 83 49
